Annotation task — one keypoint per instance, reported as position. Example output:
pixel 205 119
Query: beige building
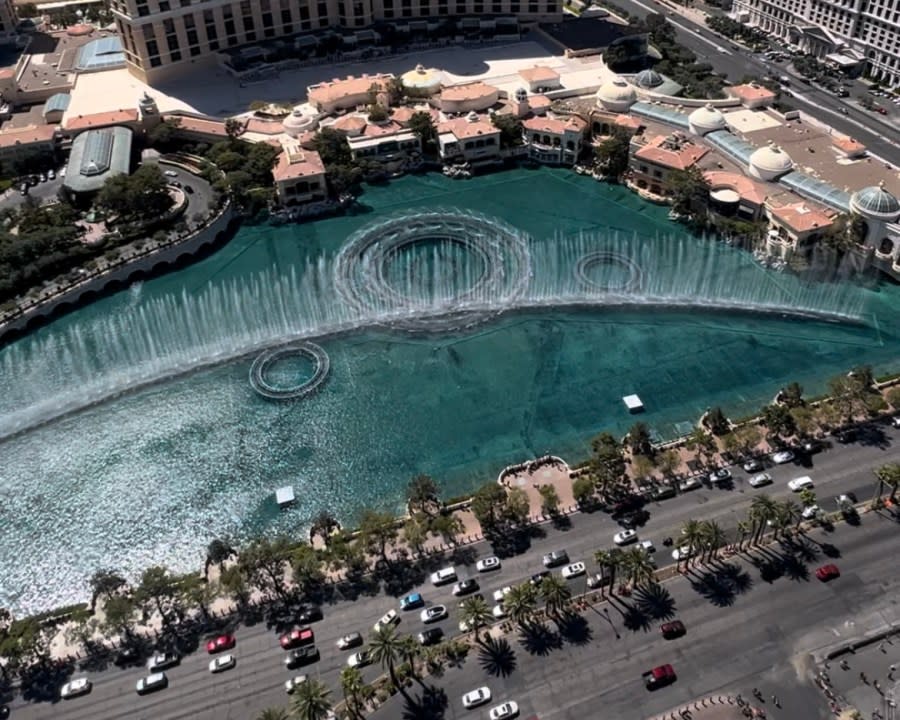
pixel 470 139
pixel 21 143
pixel 475 96
pixel 793 223
pixel 346 94
pixel 163 38
pixel 653 160
pixel 299 175
pixel 554 141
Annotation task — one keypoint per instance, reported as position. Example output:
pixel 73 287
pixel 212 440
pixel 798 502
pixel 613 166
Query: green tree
pixel 198 592
pixel 423 494
pixel 639 439
pixel 323 525
pixel 489 505
pixel 520 604
pixel 449 526
pixel 217 552
pixel 142 195
pixel 306 568
pixel 118 615
pixel 555 593
pixel 333 147
pixel 611 154
pixel 849 392
pixel 386 646
pixel 377 531
pixel 105 583
pixel 717 422
pixel 158 590
pixel 377 113
pixel 607 458
pixel 234 581
pixel 638 567
pixel 689 191
pixel 888 475
pixel 273 713
pixel 510 128
pixel 714 537
pixel 762 509
pixel 778 420
pixel 583 490
pixel 792 395
pixel 165 134
pixel 893 397
pixel 422 124
pixel 311 701
pixel 668 462
pixel 263 563
pixel 517 507
pixel 549 500
pixel 616 55
pixel 415 533
pixel 692 537
pixel 702 443
pixel 354 689
pixel 475 613
pixel 234 128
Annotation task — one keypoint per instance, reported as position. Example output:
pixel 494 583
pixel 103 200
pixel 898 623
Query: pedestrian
pixel 845 665
pixel 862 676
pixel 775 701
pixel 881 646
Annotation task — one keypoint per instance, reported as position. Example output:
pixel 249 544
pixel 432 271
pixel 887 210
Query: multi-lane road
pixel 258 680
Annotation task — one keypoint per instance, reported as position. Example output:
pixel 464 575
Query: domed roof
pixel 649 79
pixel 771 159
pixel 616 92
pixel 707 118
pixel 422 78
pixel 875 201
pixel 297 122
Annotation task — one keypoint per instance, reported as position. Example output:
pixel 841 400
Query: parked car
pixel 359 659
pixel 810 512
pixel 487 564
pixel 845 436
pixel 75 688
pixel 538 577
pixel 412 601
pixel 464 587
pixel 312 613
pixel 498 611
pixel 504 712
pixel 720 475
pixel 752 465
pixel 162 661
pixel 477 697
pixel 350 640
pixel 673 629
pixel 782 457
pixel 682 553
pixel 443 576
pixel 760 480
pixel 800 483
pixel 301 656
pixel 431 636
pixel 297 637
pixel 433 614
pixel 828 572
pixel 597 580
pixel 623 537
pixel 220 643
pixel 574 570
pixel 502 593
pixel 659 676
pixel 294 683
pixel 51 175
pixel 158 681
pixel 223 663
pixel 170 173
pixel 689 484
pixel 391 617
pixel 557 557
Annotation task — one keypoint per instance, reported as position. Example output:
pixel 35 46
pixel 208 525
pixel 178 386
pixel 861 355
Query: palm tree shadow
pixel 430 705
pixel 723 584
pixel 538 639
pixel 655 601
pixel 497 657
pixel 795 568
pixel 635 619
pixel 574 629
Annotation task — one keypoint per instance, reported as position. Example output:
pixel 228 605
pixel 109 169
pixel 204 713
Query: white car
pixel 573 570
pixel 760 480
pixel 465 626
pixel 682 553
pixel 391 617
pixel 810 511
pixel 502 593
pixel 689 484
pixel 151 683
pixel 170 173
pixel 76 687
pixel 895 421
pixel 222 663
pixel 752 465
pixel 359 659
pixel 504 712
pixel 294 683
pixel 647 546
pixel 477 697
pixel 499 611
pixel 624 537
pixel 487 564
pixel 433 614
pixel 720 475
pixel 800 483
pixel 349 640
pixel 782 457
pixel 443 576
pixel 161 661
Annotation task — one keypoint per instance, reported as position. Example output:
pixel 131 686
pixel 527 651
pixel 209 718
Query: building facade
pixel 163 38
pixel 554 141
pixel 9 21
pixel 865 29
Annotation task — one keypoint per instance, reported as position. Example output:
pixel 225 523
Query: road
pixel 257 682
pixel 880 134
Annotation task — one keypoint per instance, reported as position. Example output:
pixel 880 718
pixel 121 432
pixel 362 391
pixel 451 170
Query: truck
pixel 659 676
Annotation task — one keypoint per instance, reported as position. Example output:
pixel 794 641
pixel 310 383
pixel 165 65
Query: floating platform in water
pixel 285 496
pixel 633 403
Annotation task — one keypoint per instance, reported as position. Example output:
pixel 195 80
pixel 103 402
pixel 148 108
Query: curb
pixel 850 648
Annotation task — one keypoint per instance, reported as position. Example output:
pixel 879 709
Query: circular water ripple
pixel 613 262
pixel 262 364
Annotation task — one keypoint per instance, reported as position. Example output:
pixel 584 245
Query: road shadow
pixel 574 629
pixel 41 681
pixel 507 542
pixel 795 568
pixel 561 522
pixel 400 576
pixel 634 619
pixel 721 583
pixel 430 704
pixel 497 657
pixel 539 639
pixel 655 601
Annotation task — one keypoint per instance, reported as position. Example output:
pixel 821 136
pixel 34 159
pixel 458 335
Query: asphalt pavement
pixel 258 680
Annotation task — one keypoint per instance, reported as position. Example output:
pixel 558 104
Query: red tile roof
pixel 98 120
pixel 295 162
pixel 679 155
pixel 33 134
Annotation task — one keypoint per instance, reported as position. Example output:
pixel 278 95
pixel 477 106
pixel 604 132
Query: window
pixel 152 48
pixel 155 61
pixel 164 6
pixel 176 56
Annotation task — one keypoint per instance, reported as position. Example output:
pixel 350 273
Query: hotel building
pixel 163 38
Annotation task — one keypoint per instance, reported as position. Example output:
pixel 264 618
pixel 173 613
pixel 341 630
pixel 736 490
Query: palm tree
pixel 714 537
pixel 791 512
pixel 555 593
pixel 354 688
pixel 745 529
pixel 604 560
pixel 520 604
pixel 692 537
pixel 762 509
pixel 311 701
pixel 386 647
pixel 274 713
pixel 889 475
pixel 475 613
pixel 410 651
pixel 638 567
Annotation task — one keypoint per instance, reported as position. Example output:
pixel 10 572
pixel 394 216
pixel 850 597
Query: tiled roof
pixel 463 129
pixel 350 124
pixel 848 145
pixel 539 102
pixel 104 119
pixel 677 156
pixel 469 91
pixel 27 135
pixel 553 125
pixel 747 188
pixel 538 73
pixel 627 121
pixel 264 127
pixel 388 128
pixel 295 162
pixel 329 92
pixel 802 216
pixel 751 92
pixel 207 126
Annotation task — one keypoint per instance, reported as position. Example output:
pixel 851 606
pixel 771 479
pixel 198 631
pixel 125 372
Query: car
pixel 501 593
pixel 359 659
pixel 412 601
pixel 297 637
pixel 659 677
pixel 498 611
pixel 431 636
pixel 631 520
pixel 627 504
pixel 895 421
pixel 845 436
pixel 170 173
pixel 301 656
pixel 538 577
pixel 75 688
pixel 127 655
pixel 574 570
pixel 760 480
pixel 689 484
pixel 23 189
pixel 488 564
pixel 800 483
pixel 881 110
pixel 223 663
pixel 476 697
pixel 158 681
pixel 313 613
pixel 720 475
pixel 465 626
pixel 663 492
pixel 623 537
pixel 828 572
pixel 672 629
pixel 294 683
pixel 220 643
pixel 597 580
pixel 556 557
pixel 433 614
pixel 43 177
pixel 464 587
pixel 443 576
pixel 504 711
pixel 682 553
pixel 161 661
pixel 350 640
pixel 782 457
pixel 647 546
pixel 51 175
pixel 810 512
pixel 391 617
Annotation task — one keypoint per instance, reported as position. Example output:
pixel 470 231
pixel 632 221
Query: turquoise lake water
pixel 101 469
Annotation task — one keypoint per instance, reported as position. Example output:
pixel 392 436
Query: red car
pixel 672 630
pixel 828 572
pixel 223 642
pixel 298 637
pixel 659 677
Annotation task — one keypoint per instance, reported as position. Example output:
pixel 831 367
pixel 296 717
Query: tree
pixel 234 128
pixel 475 614
pixel 668 462
pixel 641 467
pixel 488 506
pixel 792 395
pixel 377 113
pixel 273 713
pixel 893 397
pixel 306 568
pixel 607 459
pixel 849 392
pixel 332 147
pixel 323 524
pixel 158 590
pixel 345 553
pixel 778 420
pixel 607 559
pixel 520 604
pixel 142 195
pixel 638 567
pixel 377 530
pixel 22 643
pixel 616 55
pixel 549 500
pixel 105 583
pixel 717 422
pixel 701 442
pixel 639 439
pixel 611 154
pixel 164 134
pixel 415 533
pixel 217 552
pixel 449 526
pixel 311 701
pixel 234 581
pixel 354 689
pixel 692 537
pixel 118 615
pixel 263 564
pixel 555 593
pixel 510 128
pixel 423 494
pixel 385 646
pixel 517 507
pixel 689 191
pixel 762 509
pixel 422 125
pixel 583 490
pixel 714 537
pixel 888 475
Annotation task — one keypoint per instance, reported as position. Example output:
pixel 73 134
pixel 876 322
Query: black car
pixel 301 656
pixel 310 614
pixel 629 503
pixel 127 656
pixel 431 636
pixel 632 520
pixel 537 578
pixel 464 587
pixel 845 436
